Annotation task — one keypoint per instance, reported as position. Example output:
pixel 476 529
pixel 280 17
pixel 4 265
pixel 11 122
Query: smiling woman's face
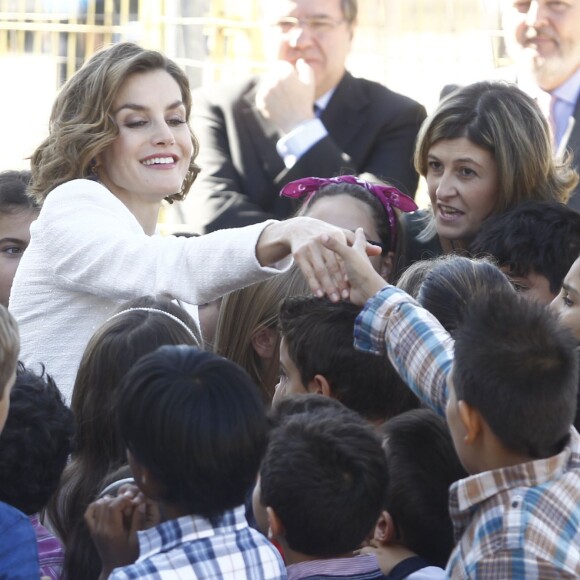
pixel 462 181
pixel 150 157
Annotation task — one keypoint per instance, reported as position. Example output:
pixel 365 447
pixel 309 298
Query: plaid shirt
pixel 193 547
pixel 521 521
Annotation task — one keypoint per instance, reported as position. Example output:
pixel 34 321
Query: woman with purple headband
pixel 351 202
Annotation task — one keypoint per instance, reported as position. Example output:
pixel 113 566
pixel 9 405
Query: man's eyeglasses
pixel 317 25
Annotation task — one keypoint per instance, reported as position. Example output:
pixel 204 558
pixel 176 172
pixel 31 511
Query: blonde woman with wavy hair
pixel 247 327
pixel 485 149
pixel 119 143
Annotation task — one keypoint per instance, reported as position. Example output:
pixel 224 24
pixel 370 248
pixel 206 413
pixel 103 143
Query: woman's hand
pixel 321 265
pixel 363 279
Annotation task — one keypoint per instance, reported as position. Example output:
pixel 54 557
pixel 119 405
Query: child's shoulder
pixel 12 519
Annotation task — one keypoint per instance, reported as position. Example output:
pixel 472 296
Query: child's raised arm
pixel 391 321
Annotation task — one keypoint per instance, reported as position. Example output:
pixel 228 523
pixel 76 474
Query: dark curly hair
pixel 35 442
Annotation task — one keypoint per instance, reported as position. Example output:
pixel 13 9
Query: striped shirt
pixel 521 521
pixel 193 547
pixel 50 551
pixel 364 567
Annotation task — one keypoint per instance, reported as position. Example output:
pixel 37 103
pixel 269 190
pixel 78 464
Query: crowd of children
pixel 178 469
pixel 421 430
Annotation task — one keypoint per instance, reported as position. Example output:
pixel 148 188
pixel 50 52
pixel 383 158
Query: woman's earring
pixel 93 169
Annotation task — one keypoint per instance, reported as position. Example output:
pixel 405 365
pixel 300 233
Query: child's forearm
pixel 417 345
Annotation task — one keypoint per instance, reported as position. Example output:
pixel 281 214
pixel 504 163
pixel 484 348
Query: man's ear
pixel 385 532
pixel 276 528
pixel 471 420
pixel 320 386
pixel 387 265
pixel 264 341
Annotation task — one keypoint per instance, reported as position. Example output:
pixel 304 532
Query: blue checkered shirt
pixel 193 547
pixel 521 521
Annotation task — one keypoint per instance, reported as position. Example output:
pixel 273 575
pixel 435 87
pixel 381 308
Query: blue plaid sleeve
pixel 417 345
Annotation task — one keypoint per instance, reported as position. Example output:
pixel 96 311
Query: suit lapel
pixel 343 114
pixel 574 140
pixel 263 135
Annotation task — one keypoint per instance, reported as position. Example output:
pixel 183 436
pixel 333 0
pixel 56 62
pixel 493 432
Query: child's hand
pixel 387 555
pixel 363 279
pixel 152 515
pixel 113 524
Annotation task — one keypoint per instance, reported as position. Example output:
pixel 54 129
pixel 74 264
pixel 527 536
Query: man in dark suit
pixel 544 38
pixel 307 116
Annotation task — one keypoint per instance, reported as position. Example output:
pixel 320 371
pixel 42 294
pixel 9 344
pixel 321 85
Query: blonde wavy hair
pixel 244 312
pixel 82 125
pixel 9 347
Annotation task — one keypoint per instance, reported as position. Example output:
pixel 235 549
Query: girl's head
pixel 138 328
pixel 351 202
pixel 487 141
pixel 452 282
pixel 82 124
pixel 247 326
pixel 17 212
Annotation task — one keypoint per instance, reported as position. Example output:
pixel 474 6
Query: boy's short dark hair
pixel 197 421
pixel 310 403
pixel 422 464
pixel 9 347
pixel 518 367
pixel 319 337
pixel 325 476
pixel 543 237
pixel 35 443
pixel 13 184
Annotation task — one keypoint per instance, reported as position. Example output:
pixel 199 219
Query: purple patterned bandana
pixel 389 196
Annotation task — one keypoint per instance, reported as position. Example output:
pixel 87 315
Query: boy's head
pixel 317 356
pixel 9 349
pixel 566 305
pixel 535 244
pixel 422 464
pixel 515 374
pixel 35 443
pixel 195 428
pixel 17 212
pixel 323 480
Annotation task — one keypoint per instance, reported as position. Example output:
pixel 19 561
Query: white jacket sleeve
pixel 92 243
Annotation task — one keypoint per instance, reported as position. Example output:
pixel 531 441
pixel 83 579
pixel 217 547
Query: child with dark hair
pixel 317 356
pixel 508 387
pixel 351 202
pixel 452 282
pixel 18 551
pixel 414 532
pixel 139 327
pixel 195 430
pixel 535 243
pixel 17 212
pixel 322 481
pixel 34 447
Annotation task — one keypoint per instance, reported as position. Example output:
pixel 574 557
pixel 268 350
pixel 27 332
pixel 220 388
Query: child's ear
pixel 385 532
pixel 471 420
pixel 276 528
pixel 320 385
pixel 264 341
pixel 387 265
